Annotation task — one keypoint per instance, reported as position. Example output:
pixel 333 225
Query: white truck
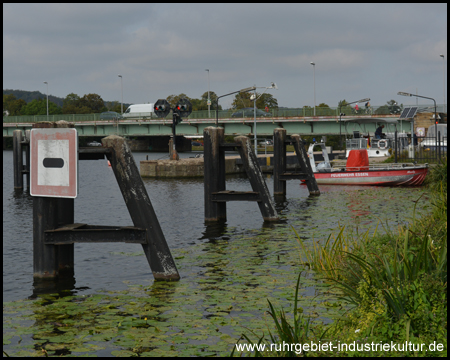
pixel 138 111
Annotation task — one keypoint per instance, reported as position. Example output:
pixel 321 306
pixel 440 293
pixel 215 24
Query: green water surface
pixel 223 291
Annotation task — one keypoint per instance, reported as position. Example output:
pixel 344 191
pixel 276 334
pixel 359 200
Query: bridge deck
pixel 326 125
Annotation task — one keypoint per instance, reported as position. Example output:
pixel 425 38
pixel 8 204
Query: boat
pixel 357 170
pixel 364 138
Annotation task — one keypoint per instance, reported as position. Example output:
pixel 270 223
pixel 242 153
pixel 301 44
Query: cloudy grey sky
pixel 360 50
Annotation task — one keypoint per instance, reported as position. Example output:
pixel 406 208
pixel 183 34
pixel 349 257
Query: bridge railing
pixel 224 114
pixel 37 118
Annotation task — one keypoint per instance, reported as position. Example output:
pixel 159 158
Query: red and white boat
pixel 358 171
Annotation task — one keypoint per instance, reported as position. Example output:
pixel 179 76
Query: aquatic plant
pixel 397 282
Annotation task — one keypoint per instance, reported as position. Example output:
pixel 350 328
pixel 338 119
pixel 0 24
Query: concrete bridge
pixel 319 125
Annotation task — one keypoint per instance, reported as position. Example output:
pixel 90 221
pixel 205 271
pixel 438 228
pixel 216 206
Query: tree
pixel 197 104
pixel 39 107
pixel 12 105
pixel 393 107
pixel 267 100
pixel 117 107
pixel 71 104
pixel 345 107
pixel 391 102
pixel 242 100
pixel 204 101
pixel 93 102
pixel 173 99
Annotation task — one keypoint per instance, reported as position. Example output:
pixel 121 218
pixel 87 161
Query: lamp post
pixel 255 141
pixel 121 88
pixel 272 86
pixel 234 92
pixel 443 67
pixel 45 82
pixel 340 115
pixel 435 113
pixel 209 100
pixel 314 76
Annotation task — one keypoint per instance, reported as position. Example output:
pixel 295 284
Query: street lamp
pixel 121 87
pixel 435 114
pixel 234 92
pixel 340 115
pixel 314 75
pixel 209 100
pixel 443 67
pixel 272 86
pixel 45 82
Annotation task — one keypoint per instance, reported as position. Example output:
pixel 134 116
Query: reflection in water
pixel 214 230
pixel 23 201
pixel 62 285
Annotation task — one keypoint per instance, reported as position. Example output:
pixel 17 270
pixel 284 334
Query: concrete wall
pixel 193 167
pixel 182 168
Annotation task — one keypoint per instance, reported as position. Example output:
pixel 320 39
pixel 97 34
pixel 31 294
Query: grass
pixel 396 282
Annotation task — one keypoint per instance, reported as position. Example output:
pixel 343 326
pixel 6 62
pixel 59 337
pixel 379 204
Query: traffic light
pixel 161 108
pixel 183 108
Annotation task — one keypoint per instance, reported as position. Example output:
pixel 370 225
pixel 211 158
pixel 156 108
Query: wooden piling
pixel 27 158
pixel 140 208
pixel 305 165
pixel 17 159
pixel 45 217
pixel 214 173
pixel 279 163
pixel 48 213
pixel 254 173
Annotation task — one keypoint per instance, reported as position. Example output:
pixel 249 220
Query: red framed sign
pixel 54 162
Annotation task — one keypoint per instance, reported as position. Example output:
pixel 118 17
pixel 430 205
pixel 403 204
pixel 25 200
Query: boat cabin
pixel 364 136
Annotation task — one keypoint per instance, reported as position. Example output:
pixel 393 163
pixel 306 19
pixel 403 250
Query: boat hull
pixel 400 177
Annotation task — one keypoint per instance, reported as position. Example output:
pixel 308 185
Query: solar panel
pixel 412 112
pixel 408 113
pixel 404 113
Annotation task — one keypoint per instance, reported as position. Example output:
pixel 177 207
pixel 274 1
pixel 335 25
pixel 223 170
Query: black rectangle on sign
pixel 53 162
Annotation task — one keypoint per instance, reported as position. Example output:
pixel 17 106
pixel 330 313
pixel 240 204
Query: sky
pixel 359 50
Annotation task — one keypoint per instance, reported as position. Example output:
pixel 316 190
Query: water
pixel 179 205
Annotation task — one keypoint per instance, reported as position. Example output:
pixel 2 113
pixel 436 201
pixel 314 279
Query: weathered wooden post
pixel 17 159
pixel 27 157
pixel 305 165
pixel 66 215
pixel 140 208
pixel 253 170
pixel 279 157
pixel 49 261
pixel 214 178
pixel 45 217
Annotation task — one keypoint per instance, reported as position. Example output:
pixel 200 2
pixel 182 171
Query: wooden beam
pixel 140 208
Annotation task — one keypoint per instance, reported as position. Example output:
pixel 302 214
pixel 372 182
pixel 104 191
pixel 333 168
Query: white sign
pixel 54 162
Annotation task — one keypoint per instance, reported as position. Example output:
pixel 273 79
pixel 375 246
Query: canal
pixel 228 271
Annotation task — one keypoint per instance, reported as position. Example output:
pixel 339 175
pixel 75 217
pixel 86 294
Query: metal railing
pixel 423 149
pixel 224 114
